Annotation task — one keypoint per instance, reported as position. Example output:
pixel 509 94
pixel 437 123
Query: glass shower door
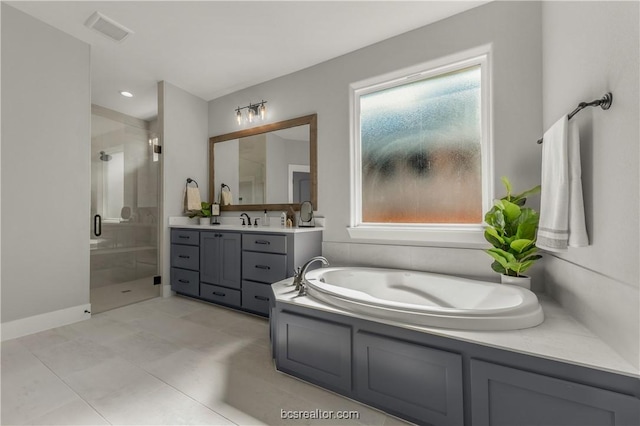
pixel 125 176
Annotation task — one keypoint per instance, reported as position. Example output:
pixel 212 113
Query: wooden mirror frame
pixel 311 120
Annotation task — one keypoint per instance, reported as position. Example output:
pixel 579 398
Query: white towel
pixel 192 200
pixel 225 197
pixel 562 221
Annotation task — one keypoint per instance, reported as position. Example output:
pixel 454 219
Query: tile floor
pixel 162 361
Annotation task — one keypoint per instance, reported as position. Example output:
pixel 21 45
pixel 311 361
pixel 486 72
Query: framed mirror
pixel 270 167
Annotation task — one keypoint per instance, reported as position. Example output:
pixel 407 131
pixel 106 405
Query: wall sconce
pixel 253 111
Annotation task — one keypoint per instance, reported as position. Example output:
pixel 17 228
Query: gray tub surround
pixel 234 265
pixel 558 373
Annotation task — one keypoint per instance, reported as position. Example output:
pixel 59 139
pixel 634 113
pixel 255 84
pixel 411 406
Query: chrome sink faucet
pixel 298 278
pixel 248 219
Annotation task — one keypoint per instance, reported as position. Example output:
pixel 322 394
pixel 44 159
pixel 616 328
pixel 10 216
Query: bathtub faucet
pixel 298 278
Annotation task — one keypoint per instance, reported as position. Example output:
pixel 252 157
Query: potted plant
pixel 204 213
pixel 512 232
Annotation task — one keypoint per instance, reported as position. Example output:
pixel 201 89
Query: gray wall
pixel 599 283
pixel 514 30
pixel 46 115
pixel 182 120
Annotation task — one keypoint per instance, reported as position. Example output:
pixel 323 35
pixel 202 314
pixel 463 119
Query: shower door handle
pixel 97 225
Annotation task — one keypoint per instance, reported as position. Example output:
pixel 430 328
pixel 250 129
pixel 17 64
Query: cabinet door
pixel 230 256
pixel 210 257
pixel 409 379
pixel 314 350
pixel 511 397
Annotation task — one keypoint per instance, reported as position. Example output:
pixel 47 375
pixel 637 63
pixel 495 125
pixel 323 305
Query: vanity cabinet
pixel 430 379
pixel 236 267
pixel 272 257
pixel 185 262
pixel 220 279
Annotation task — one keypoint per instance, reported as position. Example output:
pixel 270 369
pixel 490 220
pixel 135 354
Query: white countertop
pixel 560 337
pixel 185 222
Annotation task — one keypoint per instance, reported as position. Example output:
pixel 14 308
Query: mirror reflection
pixel 266 167
pixel 269 168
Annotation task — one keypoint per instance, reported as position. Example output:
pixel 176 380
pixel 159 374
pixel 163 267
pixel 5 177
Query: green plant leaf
pixel 502 256
pixel 491 235
pixel 525 194
pixel 496 266
pixel 520 245
pixel 495 218
pixel 510 210
pixel 507 186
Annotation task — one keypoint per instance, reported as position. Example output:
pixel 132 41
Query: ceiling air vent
pixel 108 27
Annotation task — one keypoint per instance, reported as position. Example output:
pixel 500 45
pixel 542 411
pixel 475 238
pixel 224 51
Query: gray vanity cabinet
pixel 268 258
pixel 185 255
pixel 504 396
pixel 236 267
pixel 220 273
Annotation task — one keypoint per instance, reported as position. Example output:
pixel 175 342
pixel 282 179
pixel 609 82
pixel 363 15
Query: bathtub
pixel 425 299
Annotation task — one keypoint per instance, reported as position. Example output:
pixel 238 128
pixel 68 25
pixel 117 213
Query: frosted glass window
pixel 420 151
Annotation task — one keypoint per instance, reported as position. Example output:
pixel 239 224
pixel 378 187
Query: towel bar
pixel 604 103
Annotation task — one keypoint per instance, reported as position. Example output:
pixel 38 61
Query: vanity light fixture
pixel 253 111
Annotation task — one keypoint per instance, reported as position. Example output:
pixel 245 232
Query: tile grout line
pixel 70 388
pixel 188 396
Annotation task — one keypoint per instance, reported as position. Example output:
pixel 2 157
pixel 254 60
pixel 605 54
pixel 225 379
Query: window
pixel 421 152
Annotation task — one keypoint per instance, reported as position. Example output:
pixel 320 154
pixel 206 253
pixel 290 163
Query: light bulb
pixel 252 114
pixel 263 111
pixel 239 116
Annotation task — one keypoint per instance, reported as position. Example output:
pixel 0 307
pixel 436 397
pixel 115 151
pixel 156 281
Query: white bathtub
pixel 426 299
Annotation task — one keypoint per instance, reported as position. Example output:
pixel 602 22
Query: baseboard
pixel 42 322
pixel 166 291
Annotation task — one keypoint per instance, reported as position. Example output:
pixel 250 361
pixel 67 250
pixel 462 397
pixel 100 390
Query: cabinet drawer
pixel 265 243
pixel 185 282
pixel 182 236
pixel 256 297
pixel 264 267
pixel 186 257
pixel 218 294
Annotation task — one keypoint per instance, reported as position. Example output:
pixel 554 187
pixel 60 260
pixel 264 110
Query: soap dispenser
pixel 265 219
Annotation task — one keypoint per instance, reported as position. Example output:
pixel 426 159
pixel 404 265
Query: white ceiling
pixel 212 48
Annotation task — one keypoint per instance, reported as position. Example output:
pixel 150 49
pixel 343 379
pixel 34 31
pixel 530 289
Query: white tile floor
pixel 163 361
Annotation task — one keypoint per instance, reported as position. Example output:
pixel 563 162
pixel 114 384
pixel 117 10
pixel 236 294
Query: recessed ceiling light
pixel 126 94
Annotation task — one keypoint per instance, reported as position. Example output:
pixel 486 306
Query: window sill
pixel 439 236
